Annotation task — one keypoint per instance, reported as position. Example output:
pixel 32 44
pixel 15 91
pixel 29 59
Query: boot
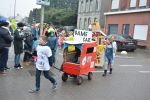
pixel 105 72
pixel 110 71
pixel 26 63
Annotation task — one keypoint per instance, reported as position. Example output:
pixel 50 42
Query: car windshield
pixel 116 37
pixel 127 37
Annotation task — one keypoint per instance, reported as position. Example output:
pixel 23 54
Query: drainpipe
pixel 105 25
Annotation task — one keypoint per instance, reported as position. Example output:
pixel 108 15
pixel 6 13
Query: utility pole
pixel 10 10
pixel 14 8
pixel 42 19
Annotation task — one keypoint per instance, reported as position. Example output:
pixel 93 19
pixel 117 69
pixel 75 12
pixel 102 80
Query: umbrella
pixel 3 18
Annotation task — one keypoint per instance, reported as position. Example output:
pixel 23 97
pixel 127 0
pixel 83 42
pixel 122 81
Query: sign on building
pixel 43 2
pixel 82 35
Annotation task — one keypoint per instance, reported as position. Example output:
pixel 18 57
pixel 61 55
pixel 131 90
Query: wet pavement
pixel 130 81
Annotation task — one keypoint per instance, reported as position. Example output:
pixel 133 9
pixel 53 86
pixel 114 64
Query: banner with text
pixel 82 35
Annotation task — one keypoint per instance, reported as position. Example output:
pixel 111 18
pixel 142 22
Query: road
pixel 130 80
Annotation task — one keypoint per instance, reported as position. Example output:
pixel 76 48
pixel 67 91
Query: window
pixel 132 3
pixel 95 19
pixel 142 3
pixel 91 5
pixel 90 50
pixel 80 24
pixel 115 4
pixel 81 9
pixel 125 29
pixel 97 5
pixel 89 21
pixel 87 6
pixel 85 23
pixel 140 32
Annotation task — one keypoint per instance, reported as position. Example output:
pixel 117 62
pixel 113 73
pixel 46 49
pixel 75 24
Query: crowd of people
pixel 27 39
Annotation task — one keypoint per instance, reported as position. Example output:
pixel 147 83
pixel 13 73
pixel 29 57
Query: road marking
pixel 132 65
pixel 144 71
pixel 117 56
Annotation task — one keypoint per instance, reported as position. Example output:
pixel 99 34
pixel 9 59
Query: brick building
pixel 130 17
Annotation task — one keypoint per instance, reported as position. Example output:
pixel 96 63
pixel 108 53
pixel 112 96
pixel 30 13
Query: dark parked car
pixel 124 42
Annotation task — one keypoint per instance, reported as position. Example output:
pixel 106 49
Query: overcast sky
pixel 23 7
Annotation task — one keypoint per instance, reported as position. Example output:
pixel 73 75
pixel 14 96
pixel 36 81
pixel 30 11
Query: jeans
pixel 17 59
pixel 53 56
pixel 3 58
pixel 47 76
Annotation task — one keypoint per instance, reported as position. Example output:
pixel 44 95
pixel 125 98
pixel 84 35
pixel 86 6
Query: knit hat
pixel 27 30
pixel 20 24
pixel 3 23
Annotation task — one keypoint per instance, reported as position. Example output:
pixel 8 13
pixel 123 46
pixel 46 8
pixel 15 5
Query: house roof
pixel 127 11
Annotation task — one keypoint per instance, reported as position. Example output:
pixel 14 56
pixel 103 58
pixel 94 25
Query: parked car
pixel 124 42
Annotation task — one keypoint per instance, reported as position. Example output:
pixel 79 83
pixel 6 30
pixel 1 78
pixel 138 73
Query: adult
pixel 5 43
pixel 13 26
pixel 50 29
pixel 53 44
pixel 27 46
pixel 33 28
pixel 18 44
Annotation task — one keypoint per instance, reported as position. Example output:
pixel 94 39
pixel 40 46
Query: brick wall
pixel 132 19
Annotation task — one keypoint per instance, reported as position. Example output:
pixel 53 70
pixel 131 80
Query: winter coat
pixel 5 38
pixel 18 41
pixel 28 43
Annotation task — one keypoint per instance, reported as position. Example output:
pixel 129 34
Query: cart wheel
pixel 90 75
pixel 64 77
pixel 79 80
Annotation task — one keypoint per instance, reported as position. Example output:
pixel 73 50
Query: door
pixel 125 29
pixel 113 29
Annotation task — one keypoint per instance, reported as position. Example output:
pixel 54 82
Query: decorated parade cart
pixel 79 56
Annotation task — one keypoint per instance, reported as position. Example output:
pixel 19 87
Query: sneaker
pixel 6 67
pixel 16 67
pixel 3 72
pixel 20 66
pixel 54 86
pixel 34 90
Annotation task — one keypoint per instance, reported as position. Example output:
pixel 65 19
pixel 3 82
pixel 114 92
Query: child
pixel 60 41
pixel 34 45
pixel 44 54
pixel 108 56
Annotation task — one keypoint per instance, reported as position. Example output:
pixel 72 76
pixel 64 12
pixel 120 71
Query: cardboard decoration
pixel 95 28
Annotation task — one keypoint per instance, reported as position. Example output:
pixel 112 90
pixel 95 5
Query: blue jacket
pixel 33 32
pixel 52 42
